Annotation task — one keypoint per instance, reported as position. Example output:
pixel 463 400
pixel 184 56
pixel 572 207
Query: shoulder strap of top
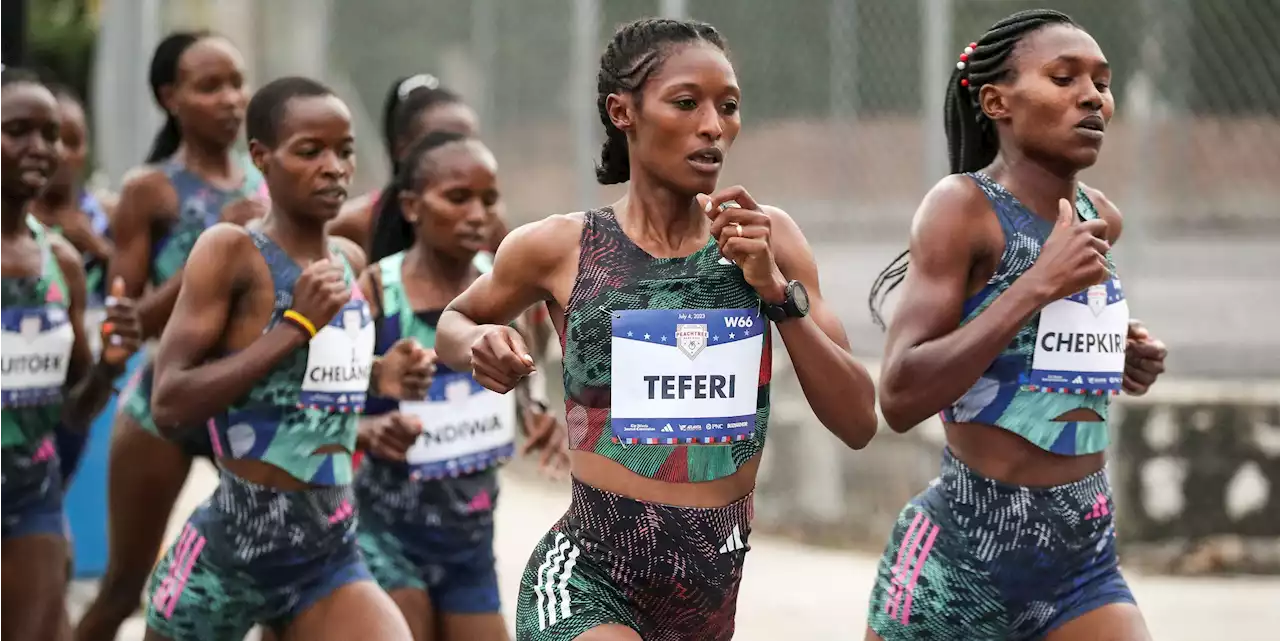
pixel 390 269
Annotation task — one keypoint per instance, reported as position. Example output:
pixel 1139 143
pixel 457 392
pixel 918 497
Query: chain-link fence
pixel 842 119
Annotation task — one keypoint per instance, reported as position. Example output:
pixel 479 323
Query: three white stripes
pixel 733 543
pixel 552 587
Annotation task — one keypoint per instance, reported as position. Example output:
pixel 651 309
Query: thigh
pixel 415 605
pixel 145 475
pixel 33 579
pixel 928 586
pixel 194 598
pixel 488 626
pixel 1114 622
pixel 609 632
pixel 359 610
pixel 562 595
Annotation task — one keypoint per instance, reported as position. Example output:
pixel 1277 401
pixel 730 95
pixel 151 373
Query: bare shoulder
pixel 543 244
pixel 351 251
pixel 221 246
pixel 146 190
pixel 1107 211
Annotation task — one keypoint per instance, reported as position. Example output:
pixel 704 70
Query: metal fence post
pixel 586 29
pixel 935 65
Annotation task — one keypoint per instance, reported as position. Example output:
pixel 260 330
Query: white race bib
pixel 35 354
pixel 685 376
pixel 465 427
pixel 1081 341
pixel 339 361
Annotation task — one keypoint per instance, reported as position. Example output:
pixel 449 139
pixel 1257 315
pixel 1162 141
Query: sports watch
pixel 794 305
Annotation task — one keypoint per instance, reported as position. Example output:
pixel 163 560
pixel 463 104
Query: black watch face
pixel 801 297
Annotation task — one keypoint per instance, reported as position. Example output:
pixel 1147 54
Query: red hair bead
pixel 964 82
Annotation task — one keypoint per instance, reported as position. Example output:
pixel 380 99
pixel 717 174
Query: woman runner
pixel 1014 326
pixel 68 208
pixel 50 377
pixel 192 180
pixel 414 107
pixel 426 515
pixel 272 344
pixel 667 352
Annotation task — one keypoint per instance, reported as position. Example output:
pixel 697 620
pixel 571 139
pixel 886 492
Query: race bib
pixel 35 353
pixel 465 427
pixel 1080 343
pixel 686 376
pixel 339 361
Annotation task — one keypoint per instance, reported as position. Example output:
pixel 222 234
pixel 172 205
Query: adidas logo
pixel 734 542
pixel 1079 380
pixel 668 428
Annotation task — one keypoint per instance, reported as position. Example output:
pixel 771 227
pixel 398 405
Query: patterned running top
pixel 36 349
pixel 199 207
pixel 467 429
pixel 1068 356
pixel 313 397
pixel 616 276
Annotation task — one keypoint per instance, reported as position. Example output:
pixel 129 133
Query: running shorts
pixel 430 535
pixel 669 573
pixel 31 486
pixel 972 558
pixel 254 555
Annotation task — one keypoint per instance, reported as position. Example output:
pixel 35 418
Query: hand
pixel 743 233
pixel 122 329
pixel 1074 256
pixel 405 371
pixel 499 358
pixel 243 210
pixel 1143 359
pixel 389 436
pixel 320 292
pixel 546 434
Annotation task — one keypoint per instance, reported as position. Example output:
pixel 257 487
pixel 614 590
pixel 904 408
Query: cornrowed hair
pixel 972 142
pixel 637 50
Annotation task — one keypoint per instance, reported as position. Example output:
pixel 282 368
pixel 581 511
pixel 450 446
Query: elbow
pixel 166 410
pixel 855 427
pixel 899 412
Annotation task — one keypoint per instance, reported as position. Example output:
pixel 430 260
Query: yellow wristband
pixel 302 321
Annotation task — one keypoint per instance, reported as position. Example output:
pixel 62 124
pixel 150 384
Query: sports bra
pixel 36 347
pixel 313 397
pixel 666 360
pixel 1068 356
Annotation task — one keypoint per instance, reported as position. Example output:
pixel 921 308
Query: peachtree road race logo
pixel 691 339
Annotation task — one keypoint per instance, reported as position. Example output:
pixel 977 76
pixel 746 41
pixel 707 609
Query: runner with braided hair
pixel 1013 325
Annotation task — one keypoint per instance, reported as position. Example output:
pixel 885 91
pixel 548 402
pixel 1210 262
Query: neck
pixel 1037 185
pixel 427 261
pixel 655 212
pixel 12 217
pixel 55 197
pixel 213 161
pixel 300 237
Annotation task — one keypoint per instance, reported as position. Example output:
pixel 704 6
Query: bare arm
pixel 187 388
pixel 930 360
pixel 143 200
pixel 90 384
pixel 838 388
pixel 523 269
